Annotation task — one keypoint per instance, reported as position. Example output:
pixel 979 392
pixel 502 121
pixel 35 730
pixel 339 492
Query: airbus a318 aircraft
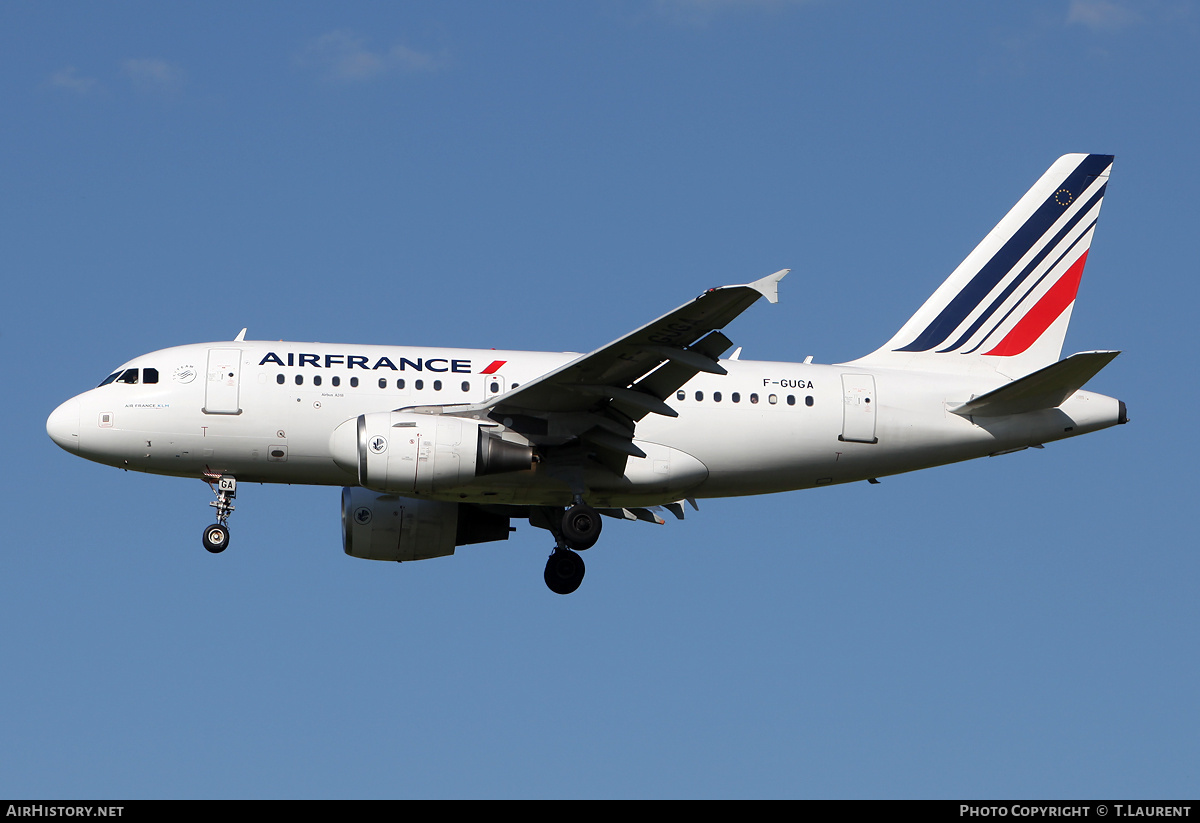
pixel 438 448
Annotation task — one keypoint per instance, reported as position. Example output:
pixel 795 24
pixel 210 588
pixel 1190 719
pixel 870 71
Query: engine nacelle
pixel 404 452
pixel 389 527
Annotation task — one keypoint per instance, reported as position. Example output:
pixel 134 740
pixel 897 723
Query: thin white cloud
pixel 68 79
pixel 153 74
pixel 345 56
pixel 1101 15
pixel 1021 49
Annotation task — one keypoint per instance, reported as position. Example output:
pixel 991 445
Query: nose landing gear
pixel 216 536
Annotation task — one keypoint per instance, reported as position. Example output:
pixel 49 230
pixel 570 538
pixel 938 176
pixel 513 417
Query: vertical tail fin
pixel 1007 306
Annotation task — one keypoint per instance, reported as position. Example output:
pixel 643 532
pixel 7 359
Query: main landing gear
pixel 581 526
pixel 216 536
pixel 576 529
pixel 564 571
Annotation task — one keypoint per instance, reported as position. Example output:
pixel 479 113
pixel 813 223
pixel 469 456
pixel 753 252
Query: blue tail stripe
pixel 1024 275
pixel 1002 262
pixel 1033 287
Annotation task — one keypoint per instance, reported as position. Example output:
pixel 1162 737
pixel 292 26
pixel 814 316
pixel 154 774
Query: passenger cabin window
pixel 354 382
pixel 679 395
pixel 279 378
pixel 316 379
pixel 383 382
pixel 736 397
pixel 335 380
pixel 299 380
pixel 466 386
pixel 418 384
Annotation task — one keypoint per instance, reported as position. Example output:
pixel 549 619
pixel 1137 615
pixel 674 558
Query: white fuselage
pixel 266 411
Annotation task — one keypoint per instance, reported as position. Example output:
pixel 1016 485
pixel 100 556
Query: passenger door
pixel 858 408
pixel 221 388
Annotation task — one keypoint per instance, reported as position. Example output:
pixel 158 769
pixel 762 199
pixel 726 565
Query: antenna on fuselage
pixel 241 336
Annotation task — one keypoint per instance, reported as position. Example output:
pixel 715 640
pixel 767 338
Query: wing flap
pixel 664 380
pixel 634 514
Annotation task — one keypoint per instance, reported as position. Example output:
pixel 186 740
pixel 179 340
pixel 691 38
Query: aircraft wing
pixel 685 339
pixel 600 396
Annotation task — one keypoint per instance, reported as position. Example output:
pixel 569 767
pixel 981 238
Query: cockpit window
pixel 131 376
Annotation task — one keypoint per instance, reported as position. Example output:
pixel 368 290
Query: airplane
pixel 436 448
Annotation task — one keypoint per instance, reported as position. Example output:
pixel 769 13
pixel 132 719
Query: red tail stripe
pixel 1053 303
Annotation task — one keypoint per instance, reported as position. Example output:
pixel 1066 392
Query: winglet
pixel 768 287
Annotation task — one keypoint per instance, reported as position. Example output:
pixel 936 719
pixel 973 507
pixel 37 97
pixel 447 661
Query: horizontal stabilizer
pixel 1046 388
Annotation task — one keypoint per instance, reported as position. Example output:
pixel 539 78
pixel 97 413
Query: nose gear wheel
pixel 216 536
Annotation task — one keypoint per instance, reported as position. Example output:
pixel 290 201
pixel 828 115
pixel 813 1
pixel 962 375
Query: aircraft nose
pixel 63 425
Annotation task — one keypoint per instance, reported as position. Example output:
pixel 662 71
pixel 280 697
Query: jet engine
pixel 403 452
pixel 389 527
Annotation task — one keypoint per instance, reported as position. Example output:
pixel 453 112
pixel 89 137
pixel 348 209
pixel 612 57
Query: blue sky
pixel 550 176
